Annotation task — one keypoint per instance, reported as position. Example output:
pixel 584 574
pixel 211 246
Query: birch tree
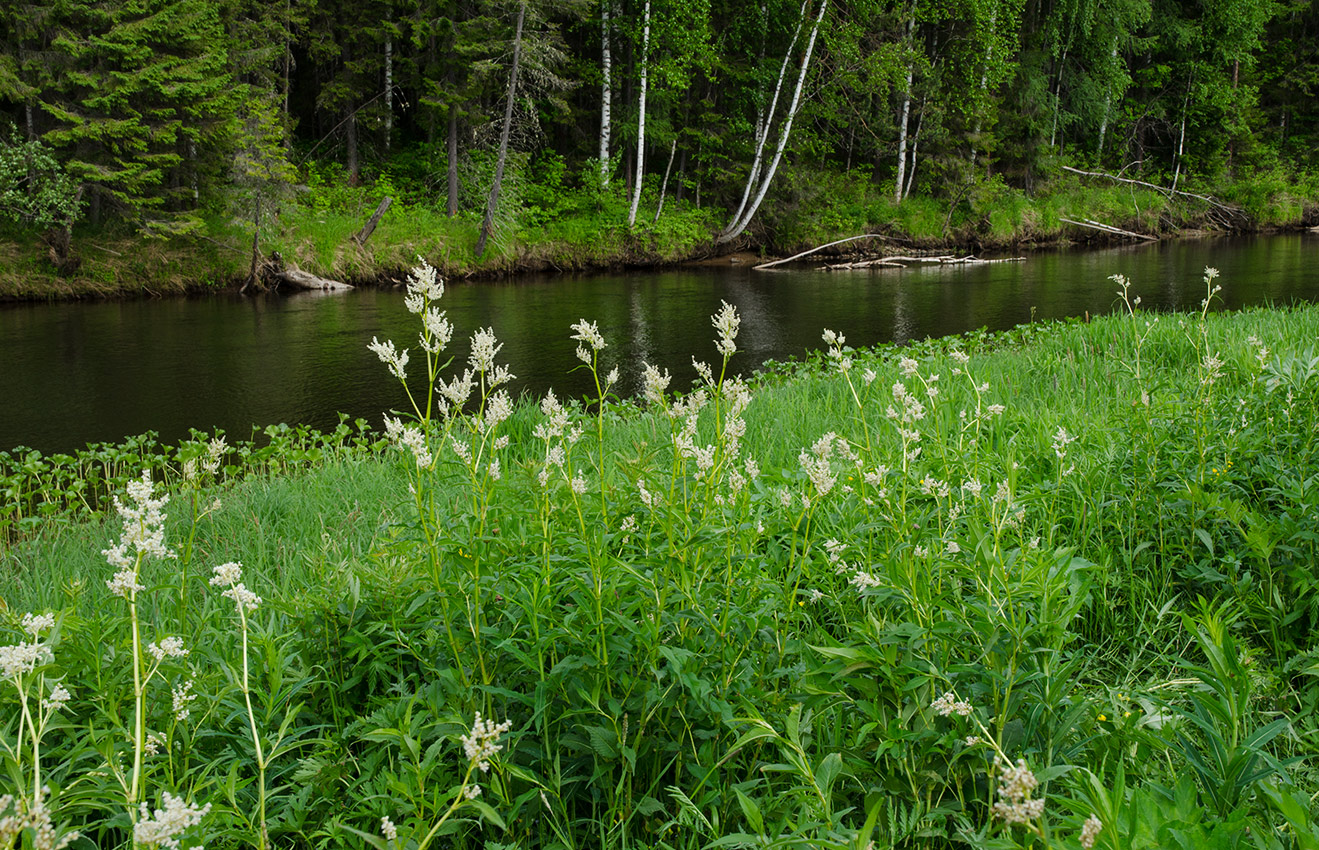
pixel 757 185
pixel 641 116
pixel 606 92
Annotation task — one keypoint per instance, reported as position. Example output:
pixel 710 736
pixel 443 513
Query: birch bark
pixel 745 219
pixel 906 115
pixel 641 117
pixel 606 93
pixel 763 120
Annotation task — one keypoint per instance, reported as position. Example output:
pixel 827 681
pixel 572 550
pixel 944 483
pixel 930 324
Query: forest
pixel 772 122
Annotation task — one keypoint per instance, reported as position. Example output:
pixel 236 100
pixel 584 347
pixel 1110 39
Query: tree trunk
pixel 1058 98
pixel 256 246
pixel 389 85
pixel 1181 140
pixel 493 201
pixel 906 115
pixel 641 117
pixel 763 120
pixel 453 160
pixel 984 78
pixel 741 224
pixel 606 93
pixel 915 139
pixel 664 184
pixel 354 172
pixel 1108 103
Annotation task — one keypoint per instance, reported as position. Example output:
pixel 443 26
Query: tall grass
pixel 1046 588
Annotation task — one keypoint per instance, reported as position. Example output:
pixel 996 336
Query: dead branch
pixel 1107 228
pixel 773 263
pixel 902 262
pixel 1211 201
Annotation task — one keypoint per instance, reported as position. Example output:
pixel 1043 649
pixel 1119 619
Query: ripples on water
pixel 73 373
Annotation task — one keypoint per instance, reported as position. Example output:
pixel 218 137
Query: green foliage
pixel 35 191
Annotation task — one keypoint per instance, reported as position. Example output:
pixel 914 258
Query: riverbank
pixel 589 233
pixel 866 582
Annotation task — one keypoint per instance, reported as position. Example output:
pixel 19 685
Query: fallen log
pixel 902 262
pixel 273 273
pixel 1108 228
pixel 299 279
pixel 773 263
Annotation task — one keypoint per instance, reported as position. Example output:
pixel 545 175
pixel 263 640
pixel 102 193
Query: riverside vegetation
pixel 1053 588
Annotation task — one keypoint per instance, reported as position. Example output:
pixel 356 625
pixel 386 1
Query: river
pixel 72 373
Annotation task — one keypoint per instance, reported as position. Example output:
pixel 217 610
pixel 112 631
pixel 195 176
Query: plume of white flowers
pixel 589 335
pixel 654 383
pixel 16 817
pixel 143 536
pixel 479 745
pixel 726 322
pixel 228 575
pixel 397 361
pixel 163 827
pixel 484 349
pixel 1016 784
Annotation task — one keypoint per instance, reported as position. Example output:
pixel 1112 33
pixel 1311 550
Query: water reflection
pixel 74 373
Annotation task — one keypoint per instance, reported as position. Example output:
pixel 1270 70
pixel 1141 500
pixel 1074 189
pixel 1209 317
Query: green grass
pixel 1113 573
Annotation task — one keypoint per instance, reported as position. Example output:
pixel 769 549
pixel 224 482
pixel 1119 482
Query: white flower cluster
pixel 163 827
pixel 1090 831
pixel 1060 442
pixel 654 384
pixel 26 657
pixel 388 829
pixel 57 698
pixel 397 361
pixel 726 322
pixel 410 438
pixel 16 820
pixel 949 704
pixel 835 342
pixel 229 575
pixel 817 463
pixel 588 334
pixel 183 695
pixel 479 745
pixel 143 536
pixel 170 647
pixel 1016 783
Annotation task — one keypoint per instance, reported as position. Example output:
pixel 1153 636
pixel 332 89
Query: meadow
pixel 1054 587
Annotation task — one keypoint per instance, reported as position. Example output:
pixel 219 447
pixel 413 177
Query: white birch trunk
pixel 984 76
pixel 641 117
pixel 1181 140
pixel 906 115
pixel 745 219
pixel 763 120
pixel 915 140
pixel 1058 98
pixel 664 184
pixel 1108 103
pixel 606 93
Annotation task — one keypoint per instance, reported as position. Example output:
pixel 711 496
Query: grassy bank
pixel 545 224
pixel 1049 588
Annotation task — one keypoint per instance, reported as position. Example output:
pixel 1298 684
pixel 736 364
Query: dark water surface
pixel 80 372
